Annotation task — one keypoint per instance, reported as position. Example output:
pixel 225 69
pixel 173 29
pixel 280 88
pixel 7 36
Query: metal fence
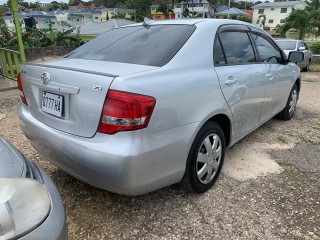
pixel 10 63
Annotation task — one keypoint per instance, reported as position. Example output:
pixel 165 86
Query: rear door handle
pixel 269 76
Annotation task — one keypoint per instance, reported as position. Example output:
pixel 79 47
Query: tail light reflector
pixel 22 96
pixel 123 111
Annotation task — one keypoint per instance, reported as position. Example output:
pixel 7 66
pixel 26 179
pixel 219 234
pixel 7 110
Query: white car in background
pixel 289 45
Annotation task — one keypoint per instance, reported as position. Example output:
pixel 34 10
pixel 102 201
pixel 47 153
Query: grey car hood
pixel 114 68
pixel 12 163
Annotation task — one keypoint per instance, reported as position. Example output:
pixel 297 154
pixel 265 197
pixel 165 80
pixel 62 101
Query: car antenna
pixel 147 22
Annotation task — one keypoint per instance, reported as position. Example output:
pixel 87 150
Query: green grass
pixel 282 139
pixel 315 68
pixel 87 38
pixel 309 80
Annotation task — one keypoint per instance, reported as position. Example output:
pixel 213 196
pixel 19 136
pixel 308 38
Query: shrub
pixel 315 47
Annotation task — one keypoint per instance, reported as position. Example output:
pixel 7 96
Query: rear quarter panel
pixel 187 89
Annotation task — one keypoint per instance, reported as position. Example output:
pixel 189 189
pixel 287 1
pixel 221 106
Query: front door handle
pixel 231 81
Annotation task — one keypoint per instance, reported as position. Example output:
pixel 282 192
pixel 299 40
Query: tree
pixel 313 5
pixel 298 20
pixel 3 10
pixel 142 8
pixel 55 5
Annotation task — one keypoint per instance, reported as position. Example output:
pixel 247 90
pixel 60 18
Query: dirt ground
pixel 269 187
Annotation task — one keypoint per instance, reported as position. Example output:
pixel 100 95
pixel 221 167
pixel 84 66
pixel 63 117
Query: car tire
pixel 306 69
pixel 205 159
pixel 288 111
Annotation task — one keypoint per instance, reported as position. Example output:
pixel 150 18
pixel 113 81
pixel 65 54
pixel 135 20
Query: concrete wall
pixel 316 59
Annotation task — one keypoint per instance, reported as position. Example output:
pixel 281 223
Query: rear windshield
pixel 150 45
pixel 287 45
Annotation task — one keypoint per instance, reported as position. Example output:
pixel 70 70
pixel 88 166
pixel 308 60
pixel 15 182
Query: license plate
pixel 52 103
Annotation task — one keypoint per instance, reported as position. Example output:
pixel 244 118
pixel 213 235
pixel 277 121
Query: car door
pixel 307 53
pixel 241 77
pixel 277 73
pixel 302 48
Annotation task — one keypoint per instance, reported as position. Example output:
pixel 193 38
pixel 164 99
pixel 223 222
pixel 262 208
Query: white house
pixel 202 7
pixel 275 12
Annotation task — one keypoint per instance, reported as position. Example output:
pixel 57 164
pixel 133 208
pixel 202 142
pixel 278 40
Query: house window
pixel 10 21
pixel 36 22
pixel 261 11
pixel 78 20
pixel 272 9
pixel 95 17
pixel 178 15
pixel 157 17
pixel 270 20
pixel 283 10
pixel 282 21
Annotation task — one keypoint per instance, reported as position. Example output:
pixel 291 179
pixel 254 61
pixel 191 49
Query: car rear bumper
pixel 126 163
pixel 55 225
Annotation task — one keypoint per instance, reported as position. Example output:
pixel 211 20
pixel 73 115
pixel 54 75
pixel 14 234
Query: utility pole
pixel 15 10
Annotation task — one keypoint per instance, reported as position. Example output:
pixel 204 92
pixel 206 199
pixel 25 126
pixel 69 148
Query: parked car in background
pixel 289 45
pixel 148 105
pixel 30 204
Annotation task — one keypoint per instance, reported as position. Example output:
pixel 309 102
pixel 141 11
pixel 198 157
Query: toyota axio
pixel 148 105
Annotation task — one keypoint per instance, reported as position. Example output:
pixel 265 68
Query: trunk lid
pixel 77 88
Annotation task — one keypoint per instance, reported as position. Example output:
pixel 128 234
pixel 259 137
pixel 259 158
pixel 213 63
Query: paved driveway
pixel 269 188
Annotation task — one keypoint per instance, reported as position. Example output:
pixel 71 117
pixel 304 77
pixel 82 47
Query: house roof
pixel 232 12
pixel 222 8
pixel 95 29
pixel 278 4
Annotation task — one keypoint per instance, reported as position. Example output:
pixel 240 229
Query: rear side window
pixel 268 53
pixel 218 53
pixel 152 45
pixel 237 48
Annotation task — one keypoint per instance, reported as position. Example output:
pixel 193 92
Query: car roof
pixel 193 21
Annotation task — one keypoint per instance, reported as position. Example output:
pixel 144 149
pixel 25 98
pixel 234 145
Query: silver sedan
pixel 145 106
pixel 30 204
pixel 289 45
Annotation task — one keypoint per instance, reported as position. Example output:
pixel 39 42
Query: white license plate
pixel 52 103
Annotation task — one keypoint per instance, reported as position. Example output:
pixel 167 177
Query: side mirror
pixel 301 48
pixel 295 56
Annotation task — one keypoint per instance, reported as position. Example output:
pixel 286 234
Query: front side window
pixel 283 10
pixel 237 47
pixel 136 45
pixel 268 53
pixel 261 11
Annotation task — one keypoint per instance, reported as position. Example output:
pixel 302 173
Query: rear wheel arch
pixel 225 123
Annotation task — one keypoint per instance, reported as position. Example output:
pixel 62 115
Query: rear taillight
pixel 123 111
pixel 22 96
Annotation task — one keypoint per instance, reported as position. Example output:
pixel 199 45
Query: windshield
pixel 151 45
pixel 287 45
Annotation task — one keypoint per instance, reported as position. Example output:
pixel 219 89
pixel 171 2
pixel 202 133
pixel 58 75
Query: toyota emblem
pixel 45 78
